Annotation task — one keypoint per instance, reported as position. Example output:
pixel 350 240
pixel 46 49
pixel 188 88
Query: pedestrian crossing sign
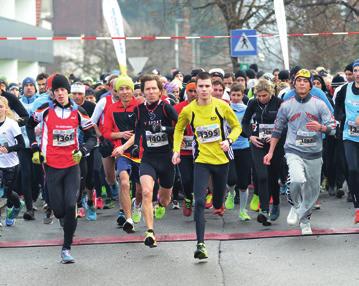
pixel 243 43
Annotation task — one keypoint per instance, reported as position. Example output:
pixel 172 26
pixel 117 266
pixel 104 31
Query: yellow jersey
pixel 210 124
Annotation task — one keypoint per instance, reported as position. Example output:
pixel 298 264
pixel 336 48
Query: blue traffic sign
pixel 243 43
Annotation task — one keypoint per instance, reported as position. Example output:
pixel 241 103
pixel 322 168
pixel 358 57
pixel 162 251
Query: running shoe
pixel 150 239
pixel 263 218
pixel 229 201
pixel 129 226
pixel 100 203
pixel 187 207
pixel 136 211
pixel 0 224
pixel 274 213
pixel 15 211
pixel 356 217
pixel 159 211
pixel 349 197
pixel 109 204
pixel 91 213
pixel 49 217
pixel 292 218
pixel 317 205
pixel 219 211
pixel 331 191
pixel 175 205
pixel 66 257
pixel 29 215
pixel 244 216
pixel 306 229
pixel 9 220
pixel 201 251
pixel 283 189
pixel 209 201
pixel 340 193
pixel 254 204
pixel 81 212
pixel 121 219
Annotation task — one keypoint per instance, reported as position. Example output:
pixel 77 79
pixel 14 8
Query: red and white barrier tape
pixel 153 38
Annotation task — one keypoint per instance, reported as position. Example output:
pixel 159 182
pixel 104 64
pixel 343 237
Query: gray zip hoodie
pixel 296 113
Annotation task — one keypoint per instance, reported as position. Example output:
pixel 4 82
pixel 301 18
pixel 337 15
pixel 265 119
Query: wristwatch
pixel 230 141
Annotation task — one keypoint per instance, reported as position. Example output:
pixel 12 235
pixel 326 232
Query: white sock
pixel 231 189
pixel 243 198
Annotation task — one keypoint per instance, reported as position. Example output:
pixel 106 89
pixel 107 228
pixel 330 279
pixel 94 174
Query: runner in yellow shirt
pixel 210 119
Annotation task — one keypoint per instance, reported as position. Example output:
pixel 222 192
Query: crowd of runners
pixel 191 142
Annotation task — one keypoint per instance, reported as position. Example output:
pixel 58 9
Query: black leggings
pixel 63 187
pixel 202 172
pixel 9 180
pixel 31 177
pixel 267 176
pixel 186 169
pixel 352 155
pixel 240 169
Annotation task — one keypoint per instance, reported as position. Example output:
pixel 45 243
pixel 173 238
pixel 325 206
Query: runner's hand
pixel 176 158
pixel 267 158
pixel 118 151
pixel 76 156
pixel 224 145
pixel 313 126
pixel 256 141
pixel 3 150
pixel 38 158
pixel 126 134
pixel 357 120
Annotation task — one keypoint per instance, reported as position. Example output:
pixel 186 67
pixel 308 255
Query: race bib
pixel 187 143
pixel 63 138
pixel 306 139
pixel 265 131
pixel 353 129
pixel 208 133
pixel 156 139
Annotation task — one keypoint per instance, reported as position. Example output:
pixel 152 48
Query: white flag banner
pixel 113 17
pixel 282 30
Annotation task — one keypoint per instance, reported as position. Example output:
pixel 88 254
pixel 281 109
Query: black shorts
pixel 159 166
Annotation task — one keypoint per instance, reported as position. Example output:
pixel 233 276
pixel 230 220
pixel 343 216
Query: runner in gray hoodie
pixel 306 117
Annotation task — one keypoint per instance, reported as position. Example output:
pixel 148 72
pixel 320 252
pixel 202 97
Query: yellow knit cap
pixel 124 80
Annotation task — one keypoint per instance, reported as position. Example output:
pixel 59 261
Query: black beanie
pixel 284 75
pixel 337 81
pixel 60 81
pixel 240 74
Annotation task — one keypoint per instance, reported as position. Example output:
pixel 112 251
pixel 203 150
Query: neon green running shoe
pixel 201 251
pixel 150 239
pixel 229 201
pixel 103 192
pixel 136 212
pixel 254 204
pixel 159 211
pixel 244 216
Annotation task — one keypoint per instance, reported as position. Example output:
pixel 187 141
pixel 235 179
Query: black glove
pixel 106 147
pixel 135 152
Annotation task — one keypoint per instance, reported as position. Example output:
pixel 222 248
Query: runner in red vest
pixel 61 154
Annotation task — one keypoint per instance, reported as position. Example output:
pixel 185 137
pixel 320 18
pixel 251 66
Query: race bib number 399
pixel 63 138
pixel 208 133
pixel 157 139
